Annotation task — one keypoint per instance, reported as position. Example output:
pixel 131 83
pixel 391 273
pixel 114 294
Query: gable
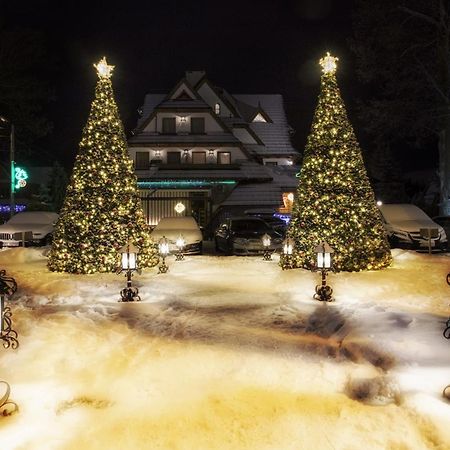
pixel 259 118
pixel 182 92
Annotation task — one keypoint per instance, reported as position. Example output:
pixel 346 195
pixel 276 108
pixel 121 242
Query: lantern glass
pixel 164 246
pixel 288 246
pixel 180 242
pixel 324 256
pixel 266 240
pixel 129 257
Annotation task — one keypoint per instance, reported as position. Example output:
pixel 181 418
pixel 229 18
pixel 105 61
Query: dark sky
pixel 264 46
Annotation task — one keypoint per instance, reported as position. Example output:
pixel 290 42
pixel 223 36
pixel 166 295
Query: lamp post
pixel 7 288
pixel 12 206
pixel 266 240
pixel 129 265
pixel 324 264
pixel 180 243
pixel 163 251
pixel 288 249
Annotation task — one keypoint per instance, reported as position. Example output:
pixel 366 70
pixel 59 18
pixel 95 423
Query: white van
pixel 406 225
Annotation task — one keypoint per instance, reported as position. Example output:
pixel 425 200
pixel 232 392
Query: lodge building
pixel 201 151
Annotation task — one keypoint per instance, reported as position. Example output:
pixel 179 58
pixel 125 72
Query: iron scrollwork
pixel 7 407
pixel 8 287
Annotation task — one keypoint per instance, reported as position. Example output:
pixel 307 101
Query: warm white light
pixel 129 256
pixel 288 246
pixel 290 196
pixel 163 246
pixel 157 154
pixel 328 63
pixel 266 240
pixel 379 202
pixel 180 242
pixel 324 252
pixel 103 69
pixel 179 207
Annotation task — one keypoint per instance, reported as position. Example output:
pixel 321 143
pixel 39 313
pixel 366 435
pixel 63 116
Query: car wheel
pixel 200 248
pixel 230 249
pixel 216 246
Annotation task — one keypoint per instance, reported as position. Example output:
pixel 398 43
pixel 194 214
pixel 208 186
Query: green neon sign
pixel 20 175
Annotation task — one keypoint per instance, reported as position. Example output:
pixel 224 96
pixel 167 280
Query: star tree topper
pixel 103 69
pixel 328 63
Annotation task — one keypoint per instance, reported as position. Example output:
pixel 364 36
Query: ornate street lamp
pixel 163 251
pixel 7 288
pixel 324 264
pixel 180 243
pixel 266 239
pixel 129 265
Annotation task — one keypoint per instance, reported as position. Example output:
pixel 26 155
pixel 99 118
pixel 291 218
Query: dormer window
pixel 217 109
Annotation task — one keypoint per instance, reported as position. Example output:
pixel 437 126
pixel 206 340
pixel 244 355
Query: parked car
pixel 173 227
pixel 242 236
pixel 403 224
pixel 444 222
pixel 30 227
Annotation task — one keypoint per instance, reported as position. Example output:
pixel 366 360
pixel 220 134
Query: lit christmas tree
pixel 101 211
pixel 335 202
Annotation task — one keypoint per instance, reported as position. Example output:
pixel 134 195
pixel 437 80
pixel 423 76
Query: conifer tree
pixel 101 210
pixel 335 202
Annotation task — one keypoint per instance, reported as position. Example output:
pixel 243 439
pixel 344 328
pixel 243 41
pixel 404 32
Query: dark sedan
pixel 243 236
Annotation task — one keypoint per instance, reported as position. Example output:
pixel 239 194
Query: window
pixel 168 125
pixel 198 157
pixel 173 157
pixel 142 161
pixel 224 157
pixel 217 108
pixel 198 125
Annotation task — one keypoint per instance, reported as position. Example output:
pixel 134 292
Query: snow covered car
pixel 33 227
pixel 242 236
pixel 173 227
pixel 405 223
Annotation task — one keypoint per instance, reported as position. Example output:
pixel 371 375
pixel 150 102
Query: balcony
pixel 188 166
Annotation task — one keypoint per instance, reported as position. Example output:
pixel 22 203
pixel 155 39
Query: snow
pixel 228 353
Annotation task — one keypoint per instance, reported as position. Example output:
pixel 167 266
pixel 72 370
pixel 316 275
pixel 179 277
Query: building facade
pixel 201 151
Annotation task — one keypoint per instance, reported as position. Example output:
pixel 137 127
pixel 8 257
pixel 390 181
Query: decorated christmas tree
pixel 101 210
pixel 335 202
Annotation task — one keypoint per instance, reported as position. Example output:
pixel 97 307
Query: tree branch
pixel 419 15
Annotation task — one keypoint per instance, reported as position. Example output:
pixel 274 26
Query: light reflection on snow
pixel 228 353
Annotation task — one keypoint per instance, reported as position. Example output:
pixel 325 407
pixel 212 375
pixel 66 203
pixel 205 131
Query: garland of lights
pixel 102 209
pixel 335 202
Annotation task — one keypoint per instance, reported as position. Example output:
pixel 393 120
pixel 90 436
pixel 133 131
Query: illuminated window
pixel 217 108
pixel 224 157
pixel 142 160
pixel 259 118
pixel 198 157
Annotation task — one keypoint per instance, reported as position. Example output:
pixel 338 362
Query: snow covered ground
pixel 228 353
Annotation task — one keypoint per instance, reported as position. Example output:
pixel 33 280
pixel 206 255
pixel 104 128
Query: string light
pixel 334 199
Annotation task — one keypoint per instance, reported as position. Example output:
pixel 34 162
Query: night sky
pixel 246 47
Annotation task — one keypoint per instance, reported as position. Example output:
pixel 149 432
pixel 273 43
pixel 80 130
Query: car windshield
pixel 249 225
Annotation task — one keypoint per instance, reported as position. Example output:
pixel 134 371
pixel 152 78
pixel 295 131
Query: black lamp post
pixel 266 240
pixel 180 243
pixel 324 264
pixel 163 251
pixel 129 265
pixel 7 288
